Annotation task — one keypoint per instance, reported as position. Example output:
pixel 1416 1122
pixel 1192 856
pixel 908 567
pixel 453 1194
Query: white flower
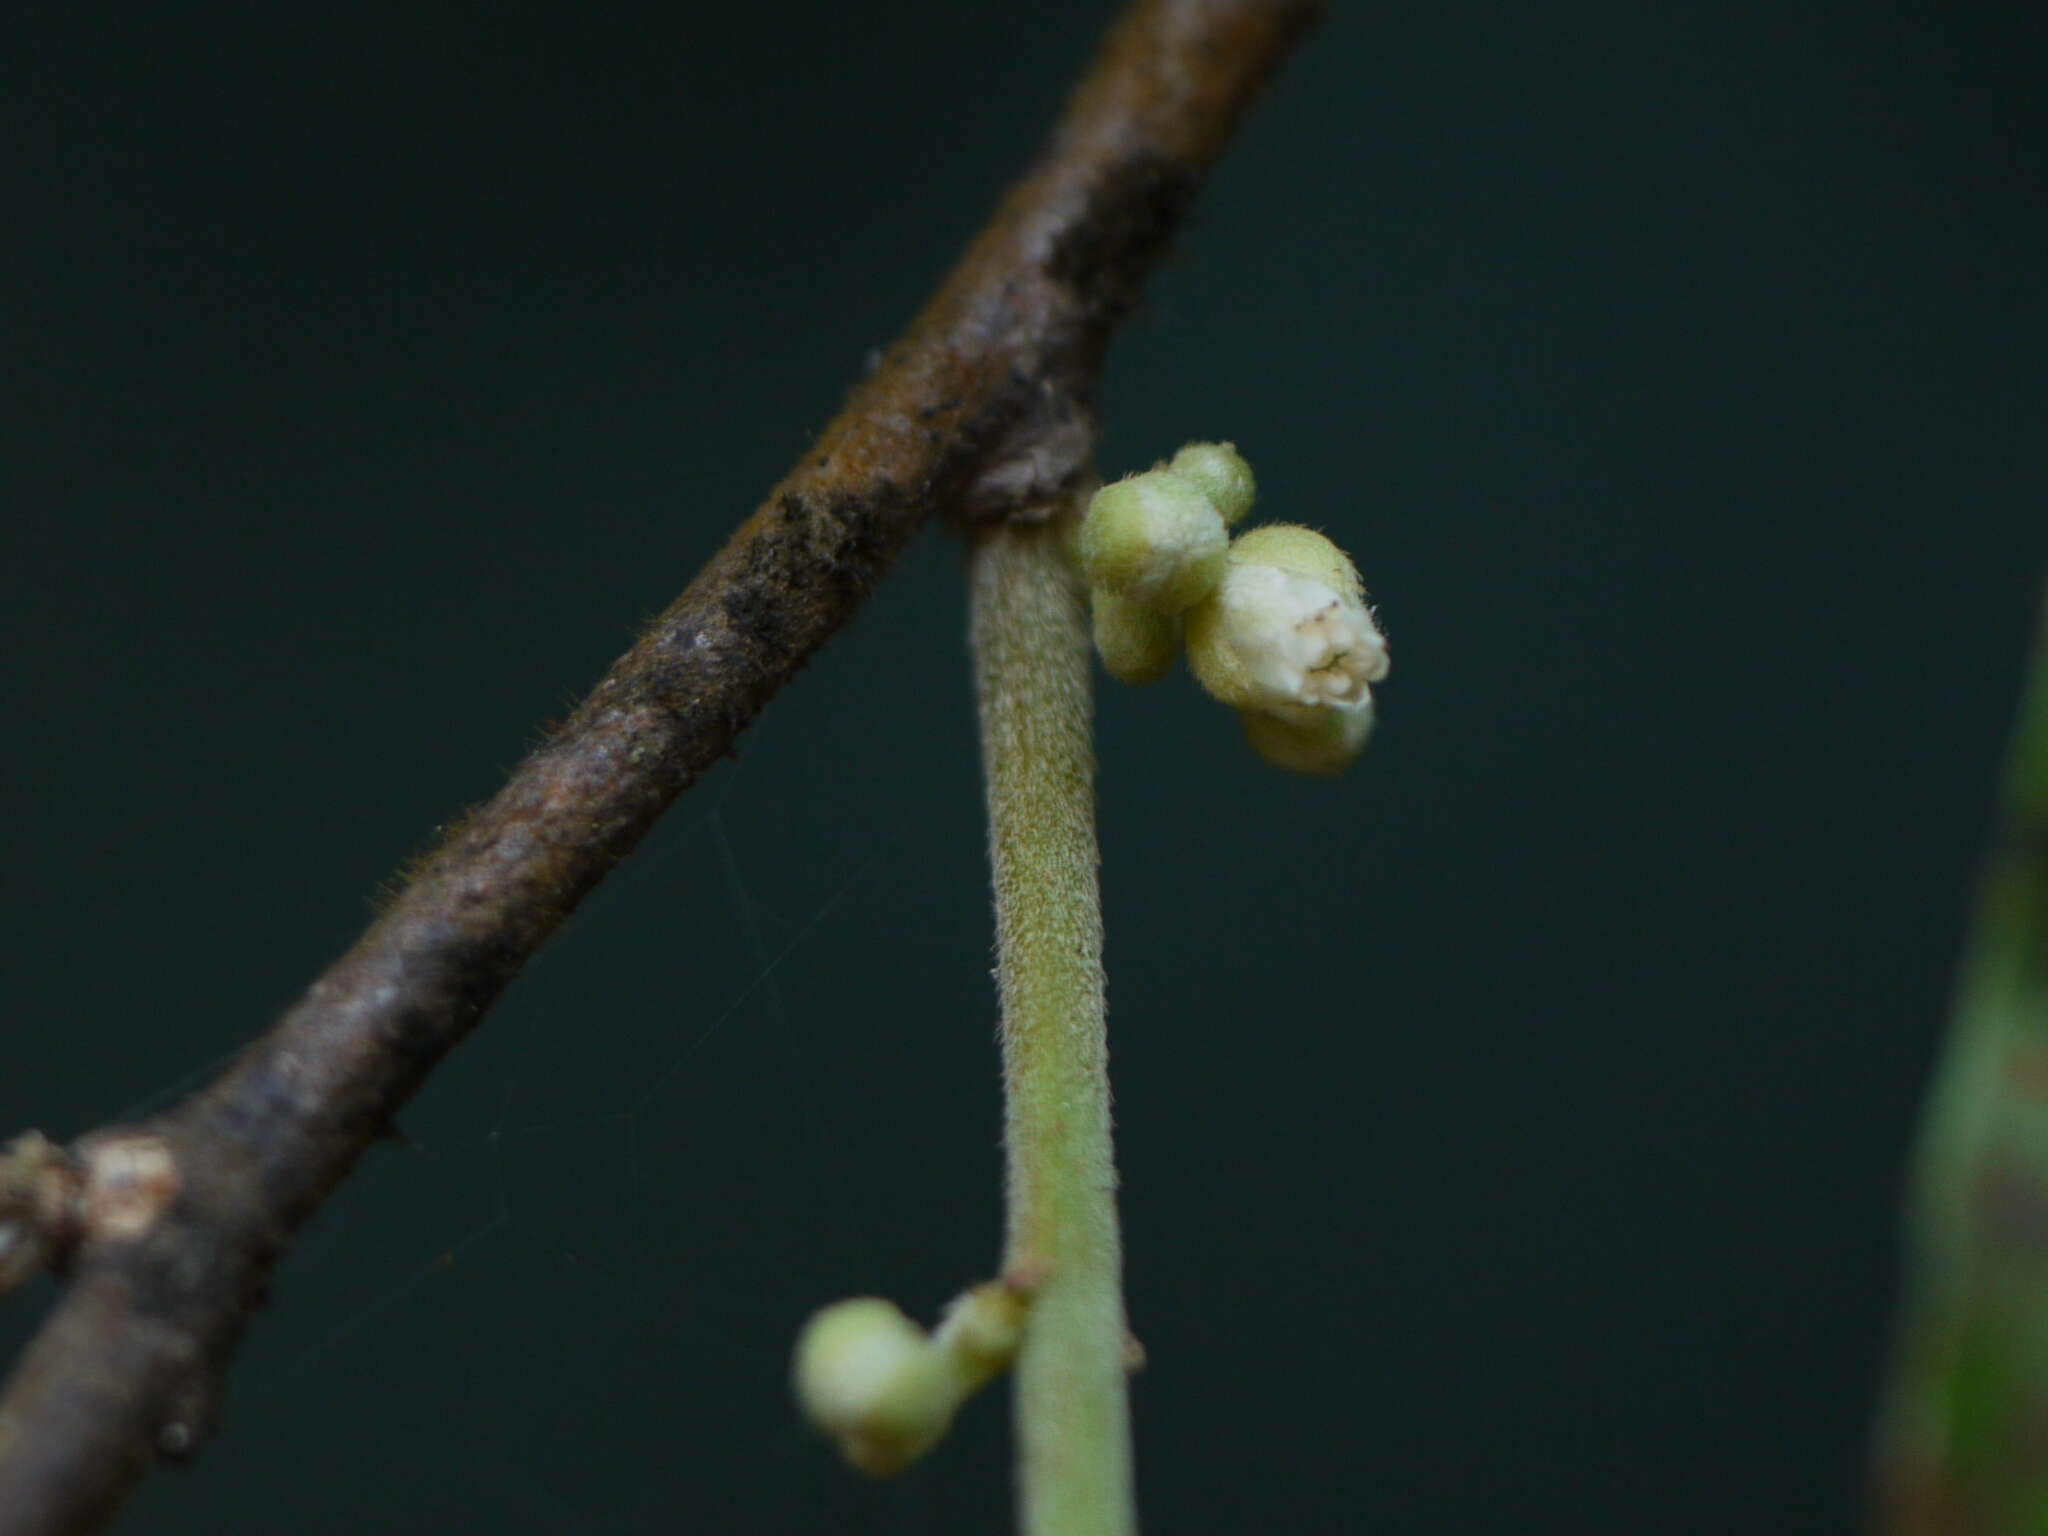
pixel 1288 634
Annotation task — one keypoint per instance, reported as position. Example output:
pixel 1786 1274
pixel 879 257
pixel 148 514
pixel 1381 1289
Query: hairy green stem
pixel 1031 650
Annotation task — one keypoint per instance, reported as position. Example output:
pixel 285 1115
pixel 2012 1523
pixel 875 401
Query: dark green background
pixel 1511 1131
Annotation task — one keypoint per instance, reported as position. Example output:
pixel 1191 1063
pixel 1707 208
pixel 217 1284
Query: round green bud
pixel 1137 644
pixel 1220 470
pixel 1154 539
pixel 1326 746
pixel 871 1379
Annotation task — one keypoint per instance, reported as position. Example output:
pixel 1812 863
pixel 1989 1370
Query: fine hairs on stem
pixel 1031 660
pixel 872 1379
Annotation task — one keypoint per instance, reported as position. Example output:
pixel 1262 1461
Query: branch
pixel 168 1230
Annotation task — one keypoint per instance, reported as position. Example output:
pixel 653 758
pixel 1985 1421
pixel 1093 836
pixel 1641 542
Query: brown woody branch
pixel 167 1231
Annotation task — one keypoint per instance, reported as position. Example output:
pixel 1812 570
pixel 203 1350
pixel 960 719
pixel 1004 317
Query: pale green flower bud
pixel 869 1378
pixel 883 1389
pixel 1220 470
pixel 1154 539
pixel 1325 746
pixel 1138 645
pixel 1287 631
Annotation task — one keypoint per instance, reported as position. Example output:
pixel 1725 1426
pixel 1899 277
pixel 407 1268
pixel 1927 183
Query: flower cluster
pixel 1275 623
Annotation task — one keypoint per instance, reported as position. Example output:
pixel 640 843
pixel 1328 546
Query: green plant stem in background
pixel 1963 1443
pixel 1031 650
